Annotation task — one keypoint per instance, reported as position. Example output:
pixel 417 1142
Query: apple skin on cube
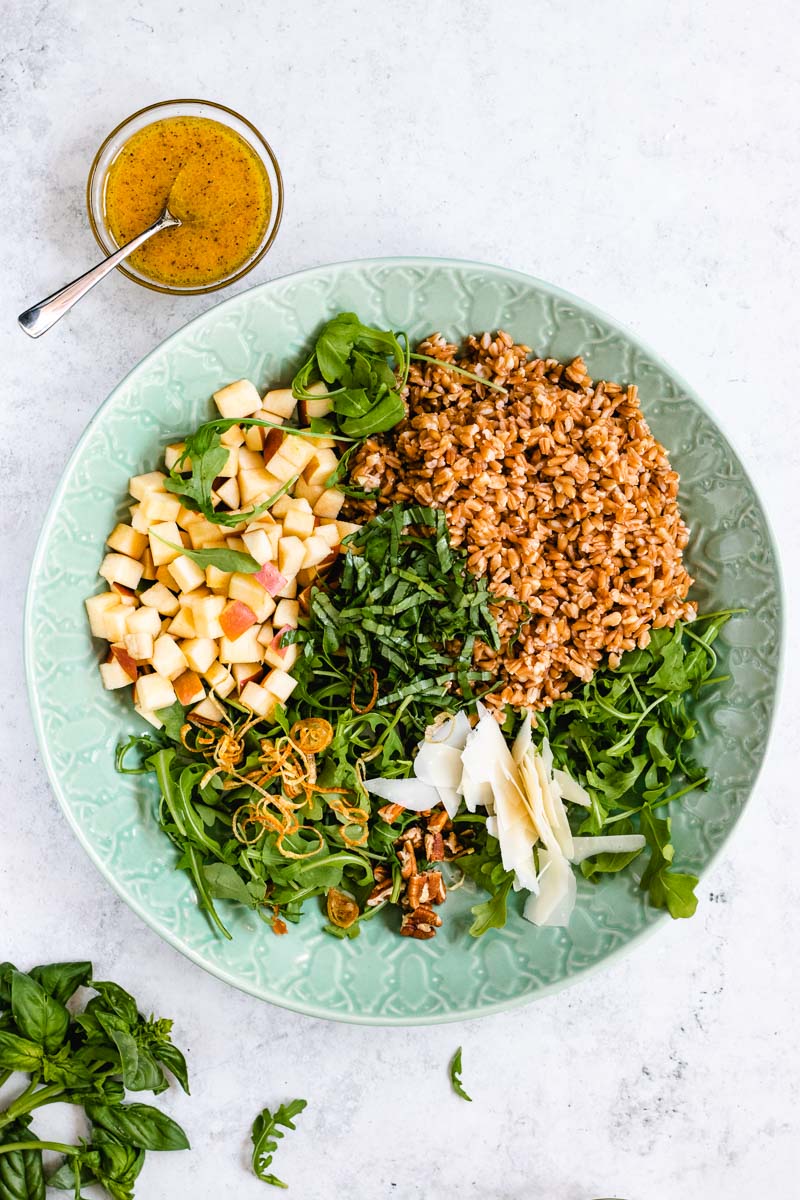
pixel 118 568
pixel 144 620
pixel 168 660
pixel 159 536
pixel 243 649
pixel 200 653
pixel 189 689
pixel 244 672
pixel 270 578
pixel 140 486
pixel 187 574
pixel 154 692
pixel 330 503
pixel 280 683
pixel 114 676
pixel 127 540
pixel 282 657
pixel 259 700
pixel 139 645
pixel 161 599
pixel 280 402
pixel 236 618
pixel 120 654
pixel 240 399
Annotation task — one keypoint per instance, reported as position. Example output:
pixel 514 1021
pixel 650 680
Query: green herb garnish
pixel 86 1058
pixel 219 556
pixel 265 1134
pixel 455 1076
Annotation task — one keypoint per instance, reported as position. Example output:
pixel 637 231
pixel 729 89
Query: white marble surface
pixel 642 155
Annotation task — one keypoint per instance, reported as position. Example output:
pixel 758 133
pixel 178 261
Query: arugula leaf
pixel 265 1134
pixel 225 883
pixel 672 890
pixel 174 719
pixel 491 914
pixel 455 1076
pixel 218 556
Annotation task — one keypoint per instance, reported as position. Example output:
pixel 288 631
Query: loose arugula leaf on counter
pixel 265 1134
pixel 81 1058
pixel 455 1076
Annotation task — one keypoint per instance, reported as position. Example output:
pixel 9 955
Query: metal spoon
pixel 42 316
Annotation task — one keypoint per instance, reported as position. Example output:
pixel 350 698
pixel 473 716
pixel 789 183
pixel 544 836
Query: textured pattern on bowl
pixel 380 978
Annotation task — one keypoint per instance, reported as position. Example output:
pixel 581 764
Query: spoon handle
pixel 42 316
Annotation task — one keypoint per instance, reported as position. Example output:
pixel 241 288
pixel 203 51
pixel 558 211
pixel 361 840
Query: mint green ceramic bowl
pixel 380 978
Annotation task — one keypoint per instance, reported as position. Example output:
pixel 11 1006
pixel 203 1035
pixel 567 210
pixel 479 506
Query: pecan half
pixel 390 812
pixel 421 923
pixel 434 847
pixel 408 859
pixel 438 820
pixel 426 888
pixel 382 891
pixel 413 835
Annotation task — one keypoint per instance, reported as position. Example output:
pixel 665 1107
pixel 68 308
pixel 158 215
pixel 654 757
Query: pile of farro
pixel 559 493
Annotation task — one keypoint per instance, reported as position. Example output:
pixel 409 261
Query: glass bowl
pixel 95 188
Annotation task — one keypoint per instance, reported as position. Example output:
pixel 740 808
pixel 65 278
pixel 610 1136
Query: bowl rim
pixel 316 1010
pixel 107 244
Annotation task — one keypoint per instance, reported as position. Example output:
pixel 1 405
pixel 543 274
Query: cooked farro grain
pixel 558 491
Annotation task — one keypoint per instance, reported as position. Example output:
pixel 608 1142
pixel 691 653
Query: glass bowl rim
pixel 103 235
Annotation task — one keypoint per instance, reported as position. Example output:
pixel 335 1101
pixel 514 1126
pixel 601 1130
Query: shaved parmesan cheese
pixel 450 730
pixel 620 843
pixel 557 888
pixel 571 790
pixel 553 808
pixel 476 795
pixel 450 799
pixel 522 741
pixel 410 793
pixel 438 764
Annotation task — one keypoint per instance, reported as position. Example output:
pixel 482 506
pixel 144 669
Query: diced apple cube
pixel 205 534
pixel 290 591
pixel 139 645
pixel 321 467
pixel 228 493
pixel 233 436
pixel 114 675
pixel 329 503
pixel 200 653
pixel 270 578
pixel 291 552
pixel 296 451
pixel 250 589
pixel 298 524
pixel 329 533
pixel 259 484
pixel 210 709
pixel 280 683
pixel 266 634
pixel 167 659
pixel 287 613
pixel 346 528
pixel 217 580
pixel 230 467
pixel 151 717
pixel 240 399
pixel 220 679
pixel 148 567
pixel 254 437
pixel 236 618
pixel 244 672
pixel 172 456
pixel 280 401
pixel 116 621
pixel 142 485
pixel 154 692
pixel 320 406
pixel 118 568
pixel 282 657
pixel 286 503
pixel 125 595
pixel 250 460
pixel 187 574
pixel 258 545
pixel 159 536
pixel 304 491
pixel 127 540
pixel 160 506
pixel 160 598
pixel 206 612
pixel 96 609
pixel 187 517
pixel 243 649
pixel 182 626
pixel 144 620
pixel 189 689
pixel 139 521
pixel 258 700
